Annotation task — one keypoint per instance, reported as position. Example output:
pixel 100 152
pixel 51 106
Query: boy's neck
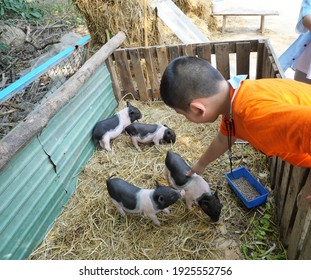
pixel 224 93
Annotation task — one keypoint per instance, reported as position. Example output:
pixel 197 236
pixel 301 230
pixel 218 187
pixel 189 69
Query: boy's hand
pixel 308 198
pixel 197 168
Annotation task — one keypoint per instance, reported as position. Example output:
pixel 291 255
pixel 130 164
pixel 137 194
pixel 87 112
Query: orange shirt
pixel 274 116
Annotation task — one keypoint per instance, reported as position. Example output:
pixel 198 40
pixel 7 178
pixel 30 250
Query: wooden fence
pixel 138 70
pixel 291 184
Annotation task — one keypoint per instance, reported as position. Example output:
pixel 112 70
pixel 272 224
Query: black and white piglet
pixel 112 127
pixel 130 198
pixel 147 133
pixel 196 188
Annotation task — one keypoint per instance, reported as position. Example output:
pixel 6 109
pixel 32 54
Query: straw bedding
pixel 90 226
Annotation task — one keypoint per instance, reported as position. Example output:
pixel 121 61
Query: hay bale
pixel 90 226
pixel 106 18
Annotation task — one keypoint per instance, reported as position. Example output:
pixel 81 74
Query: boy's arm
pixel 306 21
pixel 218 146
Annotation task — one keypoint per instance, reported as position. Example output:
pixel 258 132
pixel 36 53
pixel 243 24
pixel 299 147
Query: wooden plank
pixel 152 72
pixel 138 74
pixel 265 63
pixel 246 12
pixel 114 78
pixel 125 72
pixel 222 59
pixel 279 73
pixel 273 166
pixel 278 179
pixel 260 53
pixel 297 239
pixel 305 253
pixel 290 207
pixel 283 189
pixel 273 67
pixel 162 59
pixel 187 50
pixel 173 52
pixel 243 58
pixel 204 51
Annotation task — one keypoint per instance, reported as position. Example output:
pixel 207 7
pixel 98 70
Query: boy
pixel 273 115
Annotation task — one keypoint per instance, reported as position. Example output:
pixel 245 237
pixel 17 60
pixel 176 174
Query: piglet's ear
pixel 216 193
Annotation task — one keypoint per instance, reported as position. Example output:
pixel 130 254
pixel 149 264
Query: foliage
pixel 19 9
pixel 264 244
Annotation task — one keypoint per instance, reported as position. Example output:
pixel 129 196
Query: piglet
pixel 129 198
pixel 112 127
pixel 196 189
pixel 146 133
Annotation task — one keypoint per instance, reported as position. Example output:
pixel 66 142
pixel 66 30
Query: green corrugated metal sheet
pixel 37 183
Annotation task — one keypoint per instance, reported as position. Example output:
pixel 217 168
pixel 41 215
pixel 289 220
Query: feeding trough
pixel 246 187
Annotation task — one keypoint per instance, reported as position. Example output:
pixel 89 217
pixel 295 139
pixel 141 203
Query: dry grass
pixel 90 227
pixel 106 18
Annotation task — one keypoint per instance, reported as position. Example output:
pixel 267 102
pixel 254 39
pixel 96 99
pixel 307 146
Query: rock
pixel 12 36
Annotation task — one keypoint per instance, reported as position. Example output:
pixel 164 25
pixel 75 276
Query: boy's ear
pixel 198 107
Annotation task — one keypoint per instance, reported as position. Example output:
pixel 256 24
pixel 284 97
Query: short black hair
pixel 186 78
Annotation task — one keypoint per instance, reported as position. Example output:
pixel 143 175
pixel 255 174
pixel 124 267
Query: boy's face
pixel 196 118
pixel 190 116
pixel 199 111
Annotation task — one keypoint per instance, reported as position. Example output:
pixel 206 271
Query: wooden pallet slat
pixel 114 78
pixel 222 59
pixel 187 50
pixel 265 57
pixel 305 253
pixel 173 52
pixel 204 51
pixel 279 168
pixel 283 189
pixel 139 74
pixel 162 58
pixel 259 63
pixel 152 72
pixel 289 207
pixel 273 165
pixel 243 51
pixel 125 72
pixel 298 238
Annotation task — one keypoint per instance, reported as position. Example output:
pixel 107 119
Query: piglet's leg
pixel 135 143
pixel 120 209
pixel 166 211
pixel 154 218
pixel 188 203
pixel 105 143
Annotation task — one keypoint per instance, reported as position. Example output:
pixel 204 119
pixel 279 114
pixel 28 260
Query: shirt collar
pixel 236 81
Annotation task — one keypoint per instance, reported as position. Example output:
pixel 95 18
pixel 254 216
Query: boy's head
pixel 187 78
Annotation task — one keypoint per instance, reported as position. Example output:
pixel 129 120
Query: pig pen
pixel 90 227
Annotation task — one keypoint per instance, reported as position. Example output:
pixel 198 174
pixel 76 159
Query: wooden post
pixel 262 24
